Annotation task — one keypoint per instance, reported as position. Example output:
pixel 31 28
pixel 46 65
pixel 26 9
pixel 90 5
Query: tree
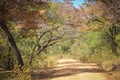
pixel 112 6
pixel 4 28
pixel 104 15
pixel 45 42
pixel 11 11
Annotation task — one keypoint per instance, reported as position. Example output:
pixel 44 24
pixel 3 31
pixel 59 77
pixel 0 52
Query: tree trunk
pixel 114 46
pixel 12 43
pixel 113 42
pixel 9 62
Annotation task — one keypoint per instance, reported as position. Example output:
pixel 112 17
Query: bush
pixel 44 61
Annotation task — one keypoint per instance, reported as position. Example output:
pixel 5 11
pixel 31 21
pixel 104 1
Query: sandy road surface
pixel 71 69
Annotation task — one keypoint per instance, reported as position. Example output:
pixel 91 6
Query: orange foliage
pixel 20 25
pixel 29 19
pixel 41 12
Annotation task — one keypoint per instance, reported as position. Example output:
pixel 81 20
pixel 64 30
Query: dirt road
pixel 71 69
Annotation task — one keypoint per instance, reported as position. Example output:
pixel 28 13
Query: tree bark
pixel 113 42
pixel 12 43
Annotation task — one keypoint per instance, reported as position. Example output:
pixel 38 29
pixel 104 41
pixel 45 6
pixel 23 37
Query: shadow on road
pixel 65 69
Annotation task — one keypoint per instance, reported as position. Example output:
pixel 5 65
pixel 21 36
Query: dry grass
pixel 113 68
pixel 113 75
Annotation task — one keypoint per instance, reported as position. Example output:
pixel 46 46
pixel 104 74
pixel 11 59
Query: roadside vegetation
pixel 35 33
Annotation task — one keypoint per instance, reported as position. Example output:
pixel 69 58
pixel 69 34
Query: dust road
pixel 71 69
